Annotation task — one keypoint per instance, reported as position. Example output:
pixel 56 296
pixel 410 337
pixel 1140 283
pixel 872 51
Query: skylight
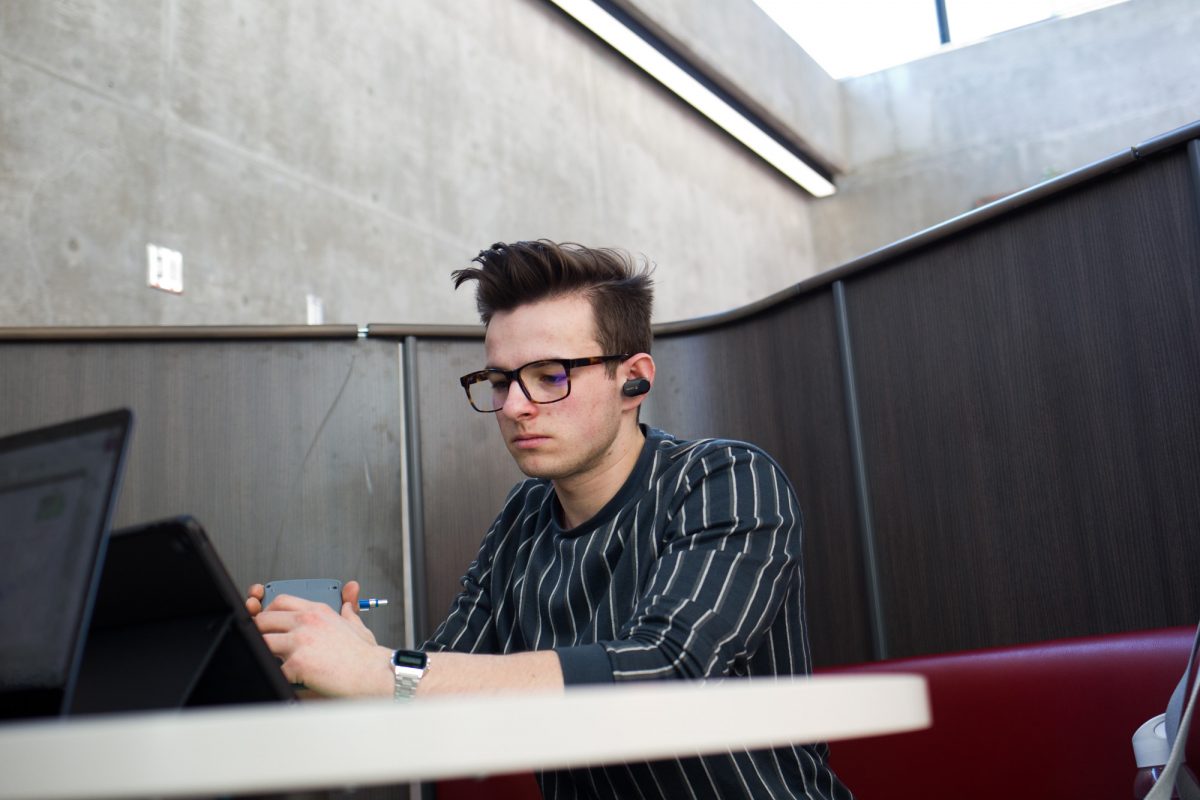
pixel 856 37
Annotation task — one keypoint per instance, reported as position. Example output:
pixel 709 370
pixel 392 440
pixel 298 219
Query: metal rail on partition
pixel 862 494
pixel 377 330
pixel 415 502
pixel 1193 151
pixel 127 333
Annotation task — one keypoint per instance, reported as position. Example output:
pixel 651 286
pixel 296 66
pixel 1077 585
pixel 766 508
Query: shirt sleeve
pixel 730 558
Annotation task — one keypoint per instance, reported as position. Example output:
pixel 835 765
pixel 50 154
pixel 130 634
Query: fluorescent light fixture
pixel 696 94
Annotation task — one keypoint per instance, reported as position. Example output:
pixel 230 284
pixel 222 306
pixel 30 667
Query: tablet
pixel 170 629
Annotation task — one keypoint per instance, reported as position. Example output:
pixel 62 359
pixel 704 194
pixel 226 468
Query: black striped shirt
pixel 693 570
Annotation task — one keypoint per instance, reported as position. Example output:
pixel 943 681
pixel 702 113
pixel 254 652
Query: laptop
pixel 171 630
pixel 58 488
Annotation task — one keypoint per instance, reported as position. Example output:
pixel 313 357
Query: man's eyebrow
pixel 496 368
pixel 525 364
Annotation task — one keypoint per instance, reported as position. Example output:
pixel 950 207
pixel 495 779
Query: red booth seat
pixel 1052 719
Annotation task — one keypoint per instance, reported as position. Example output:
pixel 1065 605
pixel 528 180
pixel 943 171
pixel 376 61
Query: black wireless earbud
pixel 635 387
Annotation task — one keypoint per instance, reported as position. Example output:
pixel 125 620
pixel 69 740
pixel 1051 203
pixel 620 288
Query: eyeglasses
pixel 543 382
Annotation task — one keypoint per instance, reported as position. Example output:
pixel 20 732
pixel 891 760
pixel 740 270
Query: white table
pixel 314 745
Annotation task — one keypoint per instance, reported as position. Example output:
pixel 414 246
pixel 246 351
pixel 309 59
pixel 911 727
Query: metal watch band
pixel 408 666
pixel 406 686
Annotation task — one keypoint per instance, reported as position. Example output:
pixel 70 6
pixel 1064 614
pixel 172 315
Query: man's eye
pixel 498 382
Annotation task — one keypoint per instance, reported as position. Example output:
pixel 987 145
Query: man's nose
pixel 516 404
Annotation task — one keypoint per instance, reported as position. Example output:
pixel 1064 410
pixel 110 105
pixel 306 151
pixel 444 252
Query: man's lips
pixel 525 441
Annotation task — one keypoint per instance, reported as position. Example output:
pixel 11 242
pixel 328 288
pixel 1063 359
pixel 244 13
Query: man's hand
pixel 330 653
pixel 350 592
pixel 334 654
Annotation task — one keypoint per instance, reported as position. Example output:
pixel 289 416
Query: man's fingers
pixel 254 598
pixel 351 597
pixel 279 644
pixel 270 622
pixel 289 602
pixel 279 621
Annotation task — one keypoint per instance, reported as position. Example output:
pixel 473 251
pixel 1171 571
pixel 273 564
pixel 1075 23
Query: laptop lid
pixel 58 489
pixel 171 630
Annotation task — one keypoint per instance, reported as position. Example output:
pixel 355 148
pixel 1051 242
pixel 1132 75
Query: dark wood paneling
pixel 466 471
pixel 774 380
pixel 1029 391
pixel 287 452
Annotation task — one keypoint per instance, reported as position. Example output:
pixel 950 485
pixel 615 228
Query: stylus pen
pixel 373 602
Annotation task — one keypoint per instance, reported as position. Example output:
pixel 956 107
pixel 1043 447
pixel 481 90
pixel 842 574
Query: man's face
pixel 575 436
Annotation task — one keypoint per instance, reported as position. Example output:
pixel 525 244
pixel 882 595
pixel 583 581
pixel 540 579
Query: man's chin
pixel 534 465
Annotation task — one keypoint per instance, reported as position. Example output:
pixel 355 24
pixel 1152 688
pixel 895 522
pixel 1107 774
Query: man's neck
pixel 582 496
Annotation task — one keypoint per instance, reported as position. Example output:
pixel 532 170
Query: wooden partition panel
pixel 288 452
pixel 466 471
pixel 1029 392
pixel 774 380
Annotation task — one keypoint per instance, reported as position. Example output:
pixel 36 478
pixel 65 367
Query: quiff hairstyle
pixel 621 292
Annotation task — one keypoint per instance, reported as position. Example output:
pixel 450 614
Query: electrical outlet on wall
pixel 164 269
pixel 315 309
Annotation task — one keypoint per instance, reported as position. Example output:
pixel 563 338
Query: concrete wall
pixel 929 140
pixel 289 148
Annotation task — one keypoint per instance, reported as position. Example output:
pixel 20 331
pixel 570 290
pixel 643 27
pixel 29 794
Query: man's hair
pixel 621 292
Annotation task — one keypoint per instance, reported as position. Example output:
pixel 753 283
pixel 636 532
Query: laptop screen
pixel 58 487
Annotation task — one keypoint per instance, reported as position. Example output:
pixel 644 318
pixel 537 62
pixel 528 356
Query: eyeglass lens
pixel 545 381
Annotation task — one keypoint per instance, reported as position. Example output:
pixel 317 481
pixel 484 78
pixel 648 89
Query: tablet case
pixel 170 629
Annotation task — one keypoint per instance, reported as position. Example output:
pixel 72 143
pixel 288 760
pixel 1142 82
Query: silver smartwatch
pixel 408 666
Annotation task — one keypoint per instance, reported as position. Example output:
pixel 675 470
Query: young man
pixel 626 555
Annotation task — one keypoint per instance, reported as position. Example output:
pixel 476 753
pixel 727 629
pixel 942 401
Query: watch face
pixel 409 658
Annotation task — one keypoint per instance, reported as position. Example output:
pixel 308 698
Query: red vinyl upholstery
pixel 497 787
pixel 1052 719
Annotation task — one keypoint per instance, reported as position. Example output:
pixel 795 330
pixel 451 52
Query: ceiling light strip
pixel 695 94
